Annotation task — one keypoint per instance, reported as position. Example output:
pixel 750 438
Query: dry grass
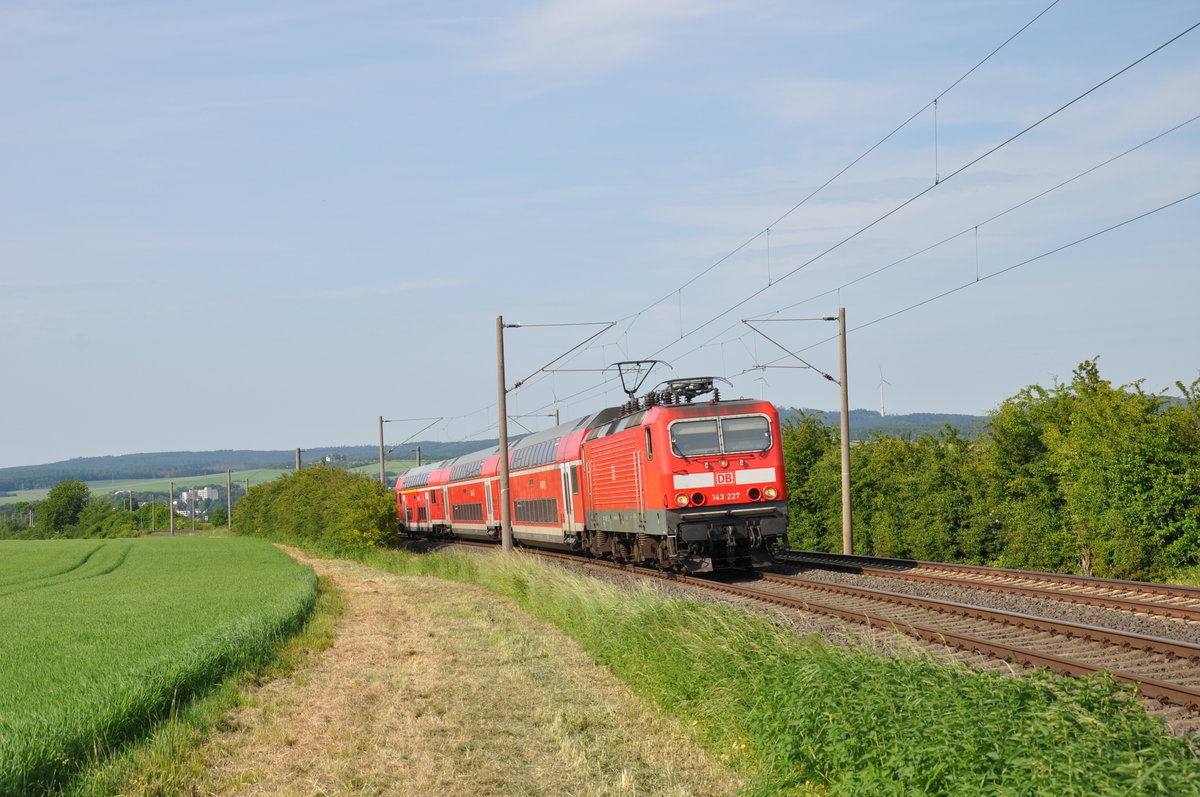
pixel 437 688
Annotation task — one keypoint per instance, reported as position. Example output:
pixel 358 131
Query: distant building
pixel 200 494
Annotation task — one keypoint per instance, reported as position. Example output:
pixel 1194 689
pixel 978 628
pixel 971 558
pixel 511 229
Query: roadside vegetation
pixel 331 497
pixel 109 636
pixel 797 715
pixel 1081 477
pixel 70 511
pixel 321 504
pixel 801 716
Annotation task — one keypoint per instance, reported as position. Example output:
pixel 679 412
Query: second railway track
pixel 1162 600
pixel 1164 670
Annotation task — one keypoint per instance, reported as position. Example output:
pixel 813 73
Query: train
pixel 662 480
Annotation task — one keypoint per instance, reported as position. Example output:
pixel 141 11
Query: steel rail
pixel 913 570
pixel 1163 691
pixel 1147 686
pixel 1127 639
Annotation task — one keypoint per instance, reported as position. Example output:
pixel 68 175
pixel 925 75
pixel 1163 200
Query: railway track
pixel 1162 600
pixel 1162 669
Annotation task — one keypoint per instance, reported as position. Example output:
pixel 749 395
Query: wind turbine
pixel 882 382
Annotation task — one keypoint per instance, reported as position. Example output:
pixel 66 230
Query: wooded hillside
pixel 188 463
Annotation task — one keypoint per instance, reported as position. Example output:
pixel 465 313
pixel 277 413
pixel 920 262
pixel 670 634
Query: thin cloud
pixel 394 289
pixel 571 40
pixel 809 101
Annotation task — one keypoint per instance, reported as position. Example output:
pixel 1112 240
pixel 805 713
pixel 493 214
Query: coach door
pixel 568 504
pixel 570 477
pixel 489 510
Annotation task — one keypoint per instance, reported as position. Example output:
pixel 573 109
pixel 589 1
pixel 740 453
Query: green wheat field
pixel 104 637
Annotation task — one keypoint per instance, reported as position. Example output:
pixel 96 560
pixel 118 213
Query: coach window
pixel 432 497
pixel 751 433
pixel 574 480
pixel 649 445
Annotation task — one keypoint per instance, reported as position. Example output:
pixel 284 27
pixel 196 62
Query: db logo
pixel 724 478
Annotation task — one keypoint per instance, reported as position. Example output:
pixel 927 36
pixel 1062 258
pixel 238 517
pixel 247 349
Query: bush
pixel 1082 477
pixel 322 505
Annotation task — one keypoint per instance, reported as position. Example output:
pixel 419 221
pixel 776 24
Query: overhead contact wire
pixel 632 318
pixel 926 190
pixel 959 234
pixel 1004 270
pixel 852 163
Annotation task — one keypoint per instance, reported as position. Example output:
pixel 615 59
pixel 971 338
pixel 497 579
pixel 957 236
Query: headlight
pixel 681 499
pixel 770 493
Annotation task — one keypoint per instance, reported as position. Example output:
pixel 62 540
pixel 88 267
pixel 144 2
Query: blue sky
pixel 263 225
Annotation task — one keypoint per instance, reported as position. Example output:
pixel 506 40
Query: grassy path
pixel 432 687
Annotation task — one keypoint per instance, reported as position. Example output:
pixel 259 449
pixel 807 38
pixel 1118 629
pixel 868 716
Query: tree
pixel 1127 474
pixel 61 508
pixel 921 502
pixel 807 443
pixel 1020 504
pixel 325 504
pixel 1179 491
pixel 1079 477
pixel 14 521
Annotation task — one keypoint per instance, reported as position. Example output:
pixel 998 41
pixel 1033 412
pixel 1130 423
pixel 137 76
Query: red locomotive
pixel 661 480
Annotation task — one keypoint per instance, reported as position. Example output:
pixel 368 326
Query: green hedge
pixel 1084 476
pixel 319 504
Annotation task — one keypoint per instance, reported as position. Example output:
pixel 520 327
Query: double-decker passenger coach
pixel 661 480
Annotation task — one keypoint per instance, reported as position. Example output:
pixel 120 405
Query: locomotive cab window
pixel 752 433
pixel 695 438
pixel 736 435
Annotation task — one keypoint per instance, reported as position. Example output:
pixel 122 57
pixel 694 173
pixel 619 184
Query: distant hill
pixel 867 423
pixel 168 464
pixel 190 463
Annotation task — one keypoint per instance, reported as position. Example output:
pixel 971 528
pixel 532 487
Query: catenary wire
pixel 965 231
pixel 606 384
pixel 848 166
pixel 1004 270
pixel 631 319
pixel 927 189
